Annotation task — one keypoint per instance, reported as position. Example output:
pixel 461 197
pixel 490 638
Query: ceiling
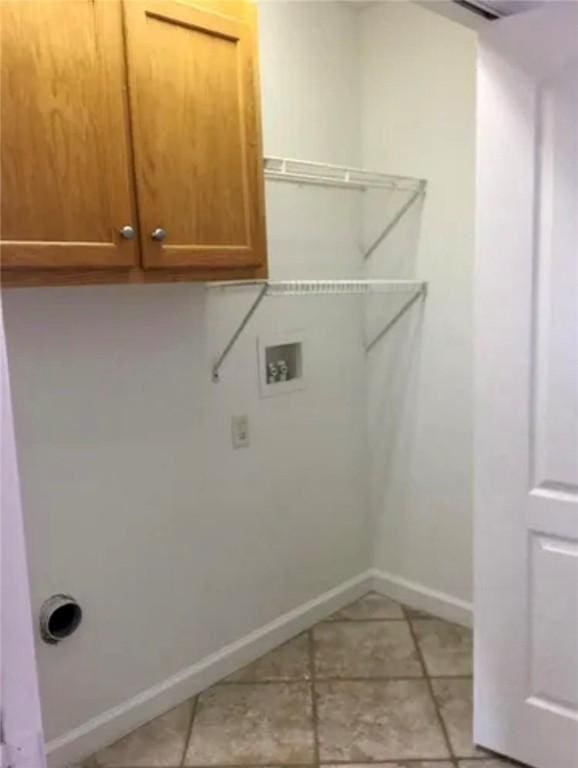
pixel 463 14
pixel 498 7
pixel 507 7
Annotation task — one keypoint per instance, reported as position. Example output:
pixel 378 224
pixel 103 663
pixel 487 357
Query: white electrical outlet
pixel 240 430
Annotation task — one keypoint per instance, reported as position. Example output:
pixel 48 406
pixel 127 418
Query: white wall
pixel 418 92
pixel 135 501
pixel 310 80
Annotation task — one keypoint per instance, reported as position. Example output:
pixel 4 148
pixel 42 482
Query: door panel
pixel 526 495
pixel 555 412
pixel 554 623
pixel 65 161
pixel 196 131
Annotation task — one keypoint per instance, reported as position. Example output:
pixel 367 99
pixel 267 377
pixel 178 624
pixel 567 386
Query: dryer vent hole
pixel 64 621
pixel 60 616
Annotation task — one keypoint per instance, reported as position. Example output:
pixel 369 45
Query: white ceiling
pixel 470 19
pixel 458 13
pixel 501 7
pixel 507 7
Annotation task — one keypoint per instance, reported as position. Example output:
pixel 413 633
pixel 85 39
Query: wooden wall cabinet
pixel 130 142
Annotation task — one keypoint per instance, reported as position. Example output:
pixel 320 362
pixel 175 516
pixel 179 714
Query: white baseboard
pixel 423 598
pixel 111 725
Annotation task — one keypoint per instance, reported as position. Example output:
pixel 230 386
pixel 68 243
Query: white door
pixel 21 738
pixel 526 444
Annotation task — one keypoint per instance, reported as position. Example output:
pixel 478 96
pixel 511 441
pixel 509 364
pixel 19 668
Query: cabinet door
pixel 196 129
pixel 66 189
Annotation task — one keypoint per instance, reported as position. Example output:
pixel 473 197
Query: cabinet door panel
pixel 66 188
pixel 197 134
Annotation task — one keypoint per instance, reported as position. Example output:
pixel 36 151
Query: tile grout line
pixel 313 689
pixel 366 620
pixel 343 678
pixel 407 763
pixel 453 758
pixel 189 732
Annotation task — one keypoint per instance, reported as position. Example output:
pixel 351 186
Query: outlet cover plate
pixel 240 430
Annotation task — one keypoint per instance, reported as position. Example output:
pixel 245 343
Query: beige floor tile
pixel 288 662
pixel 412 764
pixel 493 763
pixel 454 698
pixel 446 648
pixel 371 606
pixel 252 724
pixel 415 613
pixel 158 743
pixel 365 649
pixel 377 720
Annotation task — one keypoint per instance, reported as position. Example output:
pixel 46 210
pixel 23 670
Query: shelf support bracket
pixel 391 225
pixel 398 315
pixel 240 328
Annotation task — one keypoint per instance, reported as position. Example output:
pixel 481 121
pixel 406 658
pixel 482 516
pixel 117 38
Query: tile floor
pixel 375 683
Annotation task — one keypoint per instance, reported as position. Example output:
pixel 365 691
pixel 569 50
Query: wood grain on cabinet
pixel 196 134
pixel 65 159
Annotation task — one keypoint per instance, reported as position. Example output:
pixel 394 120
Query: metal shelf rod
pixel 240 328
pixel 395 220
pixel 398 315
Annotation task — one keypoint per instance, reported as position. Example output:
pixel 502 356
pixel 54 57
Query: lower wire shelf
pixel 414 289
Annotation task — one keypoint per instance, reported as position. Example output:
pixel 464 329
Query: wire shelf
pixel 323 287
pixel 324 174
pixel 415 288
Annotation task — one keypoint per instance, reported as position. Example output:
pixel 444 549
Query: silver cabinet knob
pixel 128 232
pixel 158 234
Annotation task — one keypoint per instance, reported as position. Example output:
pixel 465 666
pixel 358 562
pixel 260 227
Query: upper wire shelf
pixel 324 174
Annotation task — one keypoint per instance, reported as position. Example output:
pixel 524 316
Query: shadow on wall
pixel 392 385
pixel 396 254
pixel 393 366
